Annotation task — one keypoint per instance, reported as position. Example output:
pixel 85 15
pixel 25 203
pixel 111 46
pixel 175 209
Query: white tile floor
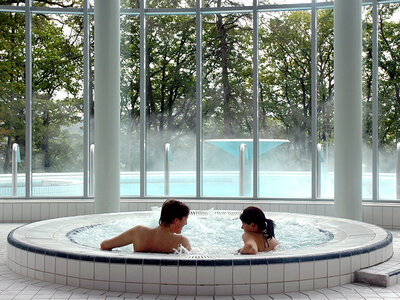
pixel 13 286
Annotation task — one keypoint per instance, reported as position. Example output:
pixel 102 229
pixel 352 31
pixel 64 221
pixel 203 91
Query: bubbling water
pixel 214 233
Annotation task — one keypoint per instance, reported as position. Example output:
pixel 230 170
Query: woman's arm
pixel 250 246
pixel 123 239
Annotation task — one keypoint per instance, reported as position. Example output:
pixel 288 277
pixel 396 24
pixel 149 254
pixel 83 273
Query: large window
pixel 197 109
pixel 389 99
pixel 171 105
pixel 12 103
pixel 285 105
pixel 227 102
pixel 57 143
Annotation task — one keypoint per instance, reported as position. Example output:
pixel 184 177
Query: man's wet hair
pixel 172 209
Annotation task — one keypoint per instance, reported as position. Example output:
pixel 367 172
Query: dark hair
pixel 172 209
pixel 255 215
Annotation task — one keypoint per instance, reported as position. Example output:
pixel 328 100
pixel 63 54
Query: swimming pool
pixel 215 184
pixel 43 251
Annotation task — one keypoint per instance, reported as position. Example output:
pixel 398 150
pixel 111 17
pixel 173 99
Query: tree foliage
pixel 227 80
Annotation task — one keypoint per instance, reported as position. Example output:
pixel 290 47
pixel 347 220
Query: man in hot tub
pixel 165 238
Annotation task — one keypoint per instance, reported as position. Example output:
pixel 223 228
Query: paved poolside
pixel 14 286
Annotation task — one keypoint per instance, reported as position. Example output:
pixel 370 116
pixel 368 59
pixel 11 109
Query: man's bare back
pixel 145 239
pixel 164 238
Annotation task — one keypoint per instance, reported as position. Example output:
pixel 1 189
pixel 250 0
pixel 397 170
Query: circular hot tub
pixel 47 251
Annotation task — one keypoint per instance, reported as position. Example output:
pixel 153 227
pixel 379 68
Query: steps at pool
pixel 384 274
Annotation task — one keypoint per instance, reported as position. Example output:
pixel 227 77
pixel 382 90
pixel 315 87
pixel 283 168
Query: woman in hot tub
pixel 258 233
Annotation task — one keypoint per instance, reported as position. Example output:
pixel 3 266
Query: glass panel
pixel 91 104
pixel 226 3
pixel 367 103
pixel 57 158
pixel 58 3
pixel 284 1
pixel 285 110
pixel 389 99
pixel 12 101
pixel 227 103
pixel 129 3
pixel 130 106
pixel 13 2
pixel 171 3
pixel 325 107
pixel 171 105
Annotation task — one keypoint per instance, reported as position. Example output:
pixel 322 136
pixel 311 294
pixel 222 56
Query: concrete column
pixel 107 105
pixel 348 138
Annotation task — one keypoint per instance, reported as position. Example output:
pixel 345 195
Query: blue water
pixel 215 184
pixel 212 234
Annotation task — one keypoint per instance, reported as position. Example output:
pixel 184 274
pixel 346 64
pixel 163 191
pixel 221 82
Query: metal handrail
pixel 242 166
pixel 398 172
pixel 14 158
pixel 166 168
pixel 91 173
pixel 319 171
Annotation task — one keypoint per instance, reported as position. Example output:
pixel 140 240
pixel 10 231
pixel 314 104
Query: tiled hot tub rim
pixel 199 262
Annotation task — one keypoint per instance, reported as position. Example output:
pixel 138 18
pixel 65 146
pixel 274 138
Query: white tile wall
pixel 320 269
pixel 345 265
pixel 292 272
pixel 275 273
pixel 39 262
pixel 134 273
pixel 259 274
pixel 205 275
pixel 101 271
pixel 169 274
pixel 334 267
pixel 333 281
pixel 223 289
pixel 291 286
pixel 275 288
pixel 151 274
pixel 33 210
pixel 73 268
pixel 117 286
pixel 241 289
pixel 86 270
pixel 306 270
pixel 259 289
pixel 187 275
pixel 117 272
pixel 50 264
pixel 223 275
pixel 241 274
pixel 61 266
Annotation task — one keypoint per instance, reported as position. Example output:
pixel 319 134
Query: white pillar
pixel 348 138
pixel 107 104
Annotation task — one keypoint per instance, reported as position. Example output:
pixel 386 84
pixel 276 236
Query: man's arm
pixel 186 243
pixel 250 246
pixel 123 239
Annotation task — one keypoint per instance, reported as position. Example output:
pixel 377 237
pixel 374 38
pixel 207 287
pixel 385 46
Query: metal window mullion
pixel 143 101
pixel 199 94
pixel 86 111
pixel 28 99
pixel 314 119
pixel 375 107
pixel 255 100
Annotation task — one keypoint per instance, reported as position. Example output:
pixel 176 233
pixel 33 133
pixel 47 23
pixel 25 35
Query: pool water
pixel 213 234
